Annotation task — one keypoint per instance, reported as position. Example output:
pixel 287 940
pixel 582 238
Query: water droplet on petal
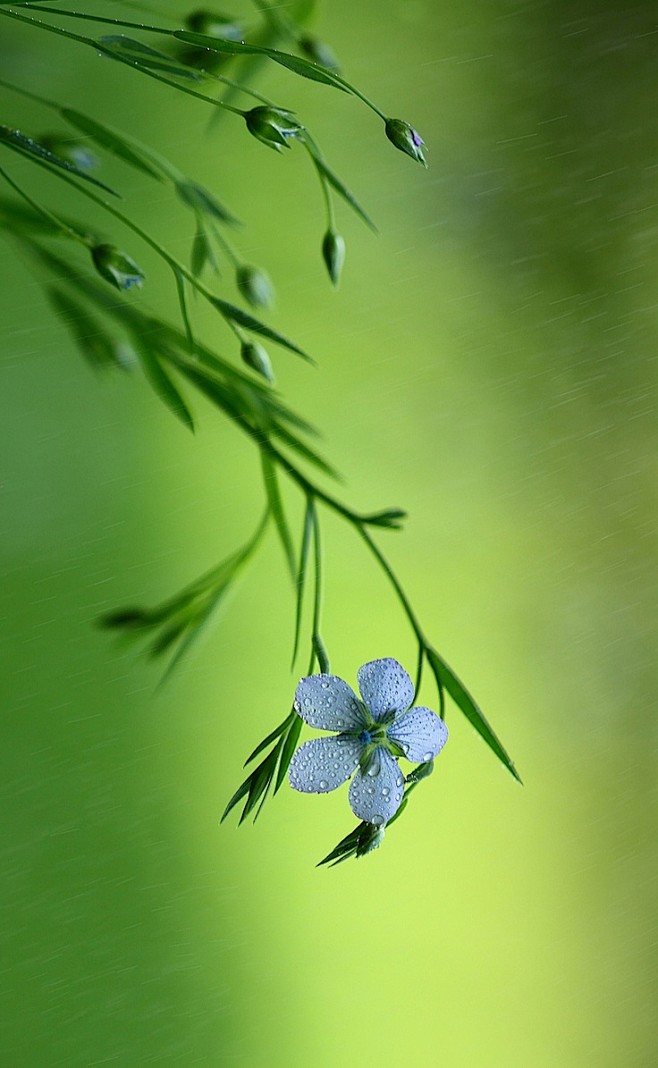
pixel 370 789
pixel 323 784
pixel 385 791
pixel 399 781
pixel 427 756
pixel 377 819
pixel 373 769
pixel 307 702
pixel 325 685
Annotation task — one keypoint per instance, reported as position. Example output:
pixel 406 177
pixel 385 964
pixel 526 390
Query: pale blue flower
pixel 373 733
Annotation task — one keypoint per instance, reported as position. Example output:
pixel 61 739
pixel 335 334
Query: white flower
pixel 373 733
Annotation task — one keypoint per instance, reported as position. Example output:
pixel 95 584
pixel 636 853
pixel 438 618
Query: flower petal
pixel 420 733
pixel 323 764
pixel 325 701
pixel 385 687
pixel 376 797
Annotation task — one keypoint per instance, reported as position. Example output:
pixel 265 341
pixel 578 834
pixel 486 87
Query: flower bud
pixel 255 356
pixel 333 254
pixel 318 52
pixel 404 137
pixel 116 268
pixel 71 149
pixel 214 24
pixel 255 286
pixel 273 126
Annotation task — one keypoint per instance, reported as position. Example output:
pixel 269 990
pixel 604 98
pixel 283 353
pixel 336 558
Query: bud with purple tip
pixel 404 137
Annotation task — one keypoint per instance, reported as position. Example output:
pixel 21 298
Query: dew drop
pixel 427 756
pixel 323 784
pixel 399 781
pixel 372 770
pixel 370 789
pixel 377 819
pixel 307 702
pixel 385 791
pixel 339 723
pixel 325 685
pixel 296 705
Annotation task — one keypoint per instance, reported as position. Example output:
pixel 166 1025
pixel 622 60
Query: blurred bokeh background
pixel 489 363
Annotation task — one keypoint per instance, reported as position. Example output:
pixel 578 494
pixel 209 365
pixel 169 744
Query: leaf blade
pixel 446 677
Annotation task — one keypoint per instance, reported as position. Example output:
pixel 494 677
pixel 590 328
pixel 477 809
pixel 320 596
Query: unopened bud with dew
pixel 404 137
pixel 116 268
pixel 255 356
pixel 255 286
pixel 273 126
pixel 333 254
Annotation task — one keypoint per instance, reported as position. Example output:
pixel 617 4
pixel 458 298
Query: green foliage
pixel 116 332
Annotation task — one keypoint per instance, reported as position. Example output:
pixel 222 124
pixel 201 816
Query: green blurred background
pixel 489 363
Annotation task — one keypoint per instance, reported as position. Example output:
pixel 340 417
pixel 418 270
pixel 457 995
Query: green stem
pixel 395 582
pixel 318 649
pixel 64 227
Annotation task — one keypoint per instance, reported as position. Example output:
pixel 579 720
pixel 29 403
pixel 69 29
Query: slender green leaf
pixel 300 66
pixel 110 140
pixel 161 382
pixel 304 450
pixel 261 779
pixel 182 302
pixel 29 146
pixel 242 318
pixel 276 505
pixel 301 575
pixel 195 629
pixel 342 189
pixel 200 199
pixel 98 347
pixel 142 55
pixel 241 791
pixel 445 676
pixel 287 750
pixel 272 736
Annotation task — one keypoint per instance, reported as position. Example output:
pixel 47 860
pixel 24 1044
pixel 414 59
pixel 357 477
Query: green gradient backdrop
pixel 489 363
